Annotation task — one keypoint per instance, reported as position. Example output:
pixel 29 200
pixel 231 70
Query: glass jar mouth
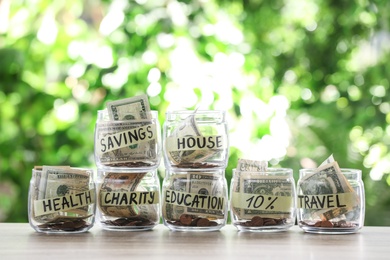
pixel 342 169
pixel 146 116
pixel 204 116
pixel 191 112
pixel 269 171
pixel 89 171
pixel 345 171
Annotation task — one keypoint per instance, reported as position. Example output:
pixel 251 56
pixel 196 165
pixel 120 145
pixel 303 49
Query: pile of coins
pixel 129 164
pixel 195 165
pixel 132 221
pixel 329 224
pixel 258 221
pixel 193 221
pixel 65 224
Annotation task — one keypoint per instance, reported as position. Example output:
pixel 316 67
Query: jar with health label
pixel 61 199
pixel 330 200
pixel 263 200
pixel 194 200
pixel 128 200
pixel 195 140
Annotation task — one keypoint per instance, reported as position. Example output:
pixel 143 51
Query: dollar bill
pixel 206 184
pixel 188 127
pixel 119 182
pixel 276 187
pixel 245 165
pixel 327 179
pixel 129 108
pixel 328 160
pixel 170 211
pixel 58 182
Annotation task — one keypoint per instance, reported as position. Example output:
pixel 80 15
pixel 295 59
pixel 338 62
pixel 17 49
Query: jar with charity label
pixel 128 200
pixel 330 202
pixel 61 199
pixel 130 142
pixel 194 200
pixel 263 201
pixel 196 140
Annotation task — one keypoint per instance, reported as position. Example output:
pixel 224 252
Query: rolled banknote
pixel 194 193
pixel 132 142
pixel 62 191
pixel 190 157
pixel 116 183
pixel 329 180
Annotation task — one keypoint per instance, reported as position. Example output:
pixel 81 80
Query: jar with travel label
pixel 61 199
pixel 263 200
pixel 194 200
pixel 330 200
pixel 195 139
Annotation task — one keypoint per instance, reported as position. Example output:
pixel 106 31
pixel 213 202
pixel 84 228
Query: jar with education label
pixel 330 202
pixel 129 142
pixel 194 200
pixel 61 199
pixel 128 200
pixel 195 140
pixel 263 200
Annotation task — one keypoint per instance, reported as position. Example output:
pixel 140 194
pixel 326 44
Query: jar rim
pixel 268 171
pixel 196 112
pixel 343 170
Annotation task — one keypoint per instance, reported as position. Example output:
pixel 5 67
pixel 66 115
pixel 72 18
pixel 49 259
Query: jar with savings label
pixel 263 200
pixel 128 200
pixel 61 199
pixel 195 139
pixel 132 142
pixel 330 201
pixel 194 200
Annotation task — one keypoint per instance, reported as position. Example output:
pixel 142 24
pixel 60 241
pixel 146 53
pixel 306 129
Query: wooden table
pixel 20 241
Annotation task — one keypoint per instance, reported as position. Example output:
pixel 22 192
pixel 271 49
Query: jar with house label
pixel 263 200
pixel 330 200
pixel 196 140
pixel 61 199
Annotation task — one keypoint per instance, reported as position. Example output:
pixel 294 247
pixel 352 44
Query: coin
pixel 185 219
pixel 203 222
pixel 257 221
pixel 326 223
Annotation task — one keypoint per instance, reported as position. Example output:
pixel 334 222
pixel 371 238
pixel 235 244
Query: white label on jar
pixel 188 143
pixel 128 198
pixel 194 200
pixel 262 202
pixel 64 203
pixel 111 142
pixel 327 201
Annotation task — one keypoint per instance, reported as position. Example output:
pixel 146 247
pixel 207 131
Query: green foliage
pixel 300 80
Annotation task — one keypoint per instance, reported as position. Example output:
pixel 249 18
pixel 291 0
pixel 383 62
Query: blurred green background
pixel 300 80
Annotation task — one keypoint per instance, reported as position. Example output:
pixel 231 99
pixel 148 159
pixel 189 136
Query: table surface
pixel 20 241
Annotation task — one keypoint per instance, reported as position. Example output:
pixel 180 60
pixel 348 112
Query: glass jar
pixel 61 199
pixel 264 200
pixel 196 140
pixel 330 203
pixel 194 201
pixel 128 200
pixel 131 143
